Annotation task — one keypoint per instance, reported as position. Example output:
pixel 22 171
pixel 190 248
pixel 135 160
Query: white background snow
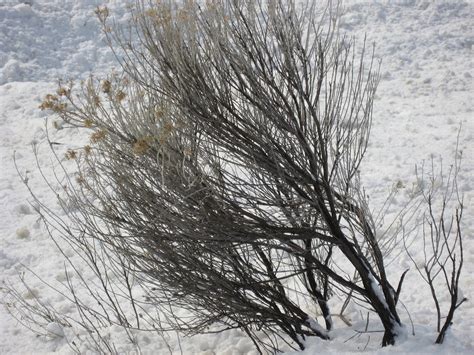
pixel 426 92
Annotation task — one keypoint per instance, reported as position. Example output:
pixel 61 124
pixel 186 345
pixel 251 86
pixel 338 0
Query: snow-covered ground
pixel 426 92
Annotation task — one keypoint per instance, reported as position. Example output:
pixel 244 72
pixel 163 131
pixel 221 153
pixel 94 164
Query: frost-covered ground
pixel 425 93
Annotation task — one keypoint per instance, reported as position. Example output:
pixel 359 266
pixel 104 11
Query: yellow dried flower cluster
pixel 62 91
pixel 71 154
pixel 120 96
pixel 183 15
pixel 96 100
pixel 80 179
pixel 166 130
pixel 106 86
pixel 102 12
pixel 52 102
pixel 141 146
pixel 87 149
pixel 88 122
pixel 99 135
pixel 211 5
pixel 159 113
pixel 162 17
pixel 153 13
pixel 168 127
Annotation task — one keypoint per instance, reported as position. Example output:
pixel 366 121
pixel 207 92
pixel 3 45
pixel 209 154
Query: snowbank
pixel 425 93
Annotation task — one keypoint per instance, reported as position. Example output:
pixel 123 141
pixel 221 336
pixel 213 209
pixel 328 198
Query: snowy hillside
pixel 426 93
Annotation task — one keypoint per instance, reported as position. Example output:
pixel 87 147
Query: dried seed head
pixel 62 91
pixel 51 102
pixel 106 86
pixel 168 128
pixel 102 12
pixel 87 150
pixel 120 96
pixel 99 135
pixel 159 113
pixel 88 122
pixel 141 146
pixel 48 102
pixel 153 13
pixel 80 179
pixel 96 100
pixel 71 154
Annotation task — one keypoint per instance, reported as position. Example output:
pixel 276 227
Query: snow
pixel 314 325
pixel 377 290
pixel 22 233
pixel 426 92
pixel 55 330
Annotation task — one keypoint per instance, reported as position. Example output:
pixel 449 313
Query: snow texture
pixel 426 92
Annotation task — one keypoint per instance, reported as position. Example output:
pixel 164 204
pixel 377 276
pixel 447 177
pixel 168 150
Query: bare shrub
pixel 443 254
pixel 283 108
pixel 222 175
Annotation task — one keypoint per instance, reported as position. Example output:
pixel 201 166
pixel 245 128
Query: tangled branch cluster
pixel 222 170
